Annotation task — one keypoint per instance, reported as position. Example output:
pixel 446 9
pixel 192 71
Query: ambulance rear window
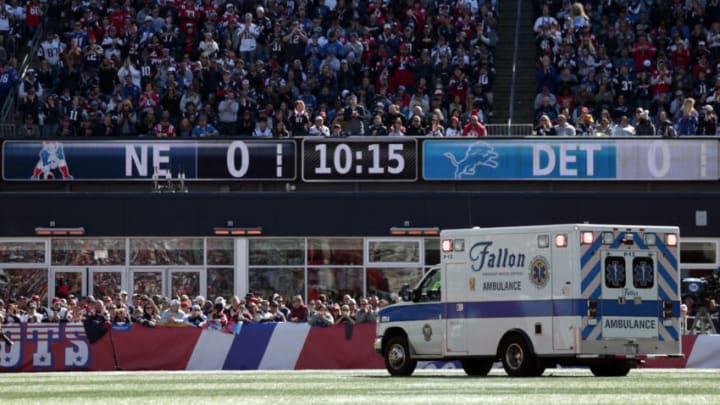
pixel 643 272
pixel 614 272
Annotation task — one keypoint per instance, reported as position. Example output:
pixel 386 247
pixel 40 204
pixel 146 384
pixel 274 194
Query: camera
pixel 702 289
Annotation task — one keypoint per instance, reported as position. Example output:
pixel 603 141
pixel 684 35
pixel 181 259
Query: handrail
pixel 8 109
pixel 516 45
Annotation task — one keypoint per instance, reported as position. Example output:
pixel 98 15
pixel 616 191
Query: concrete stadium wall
pixel 345 214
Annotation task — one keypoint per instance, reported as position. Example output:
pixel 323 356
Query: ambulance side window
pixel 615 272
pixel 430 288
pixel 643 272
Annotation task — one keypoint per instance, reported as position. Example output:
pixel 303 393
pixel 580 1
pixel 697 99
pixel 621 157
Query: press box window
pixel 614 272
pixel 643 273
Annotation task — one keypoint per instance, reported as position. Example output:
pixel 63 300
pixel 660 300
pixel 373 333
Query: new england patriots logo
pixel 478 154
pixel 51 158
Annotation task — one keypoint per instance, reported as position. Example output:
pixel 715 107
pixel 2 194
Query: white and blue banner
pixel 572 159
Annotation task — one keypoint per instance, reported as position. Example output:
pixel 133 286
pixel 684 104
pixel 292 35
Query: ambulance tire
pixel 397 357
pixel 518 358
pixel 620 369
pixel 477 367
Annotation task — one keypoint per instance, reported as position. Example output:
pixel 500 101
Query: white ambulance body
pixel 604 296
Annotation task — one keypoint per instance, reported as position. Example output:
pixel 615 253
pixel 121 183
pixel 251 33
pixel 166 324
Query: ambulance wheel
pixel 611 370
pixel 397 357
pixel 518 359
pixel 477 367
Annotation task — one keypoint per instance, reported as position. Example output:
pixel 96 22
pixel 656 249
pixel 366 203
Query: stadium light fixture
pixel 53 231
pixel 238 231
pixel 415 231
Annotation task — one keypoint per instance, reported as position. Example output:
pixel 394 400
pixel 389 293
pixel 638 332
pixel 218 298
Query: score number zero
pixel 342 159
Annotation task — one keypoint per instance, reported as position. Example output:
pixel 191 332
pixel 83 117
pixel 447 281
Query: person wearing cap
pixel 204 128
pixel 173 315
pixel 196 317
pixel 273 314
pixel 474 127
pixel 295 41
pixel 707 122
pixel 32 315
pixel 319 128
pixel 227 114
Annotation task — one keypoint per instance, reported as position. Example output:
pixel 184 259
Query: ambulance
pixel 536 297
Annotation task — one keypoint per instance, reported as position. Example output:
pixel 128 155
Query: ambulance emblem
pixel 427 332
pixel 539 271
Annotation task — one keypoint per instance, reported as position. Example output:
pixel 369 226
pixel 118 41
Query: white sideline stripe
pixel 210 351
pixel 704 353
pixel 285 346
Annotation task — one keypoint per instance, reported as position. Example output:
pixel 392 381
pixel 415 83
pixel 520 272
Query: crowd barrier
pixel 283 346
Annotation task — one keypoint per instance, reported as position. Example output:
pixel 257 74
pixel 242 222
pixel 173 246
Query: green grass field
pixel 360 387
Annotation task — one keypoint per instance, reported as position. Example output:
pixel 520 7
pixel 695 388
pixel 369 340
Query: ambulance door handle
pixel 621 300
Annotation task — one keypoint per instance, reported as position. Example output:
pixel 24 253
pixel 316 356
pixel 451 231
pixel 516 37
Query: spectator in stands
pixel 436 128
pixel 544 127
pixel 196 317
pixel 57 312
pixel 203 128
pixel 377 128
pixel 344 316
pixel 273 314
pixel 323 317
pixel 623 128
pixel 298 312
pixel 563 128
pixel 164 129
pixel 707 121
pixel 474 128
pixel 644 126
pixel 227 115
pixel 319 128
pixel 687 124
pixel 173 315
pixel 604 127
pixel 415 128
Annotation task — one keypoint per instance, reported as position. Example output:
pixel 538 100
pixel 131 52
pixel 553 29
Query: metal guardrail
pixel 7 112
pixel 509 129
pixel 7 130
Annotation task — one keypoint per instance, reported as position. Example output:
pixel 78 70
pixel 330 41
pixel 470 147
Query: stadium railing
pixel 7 112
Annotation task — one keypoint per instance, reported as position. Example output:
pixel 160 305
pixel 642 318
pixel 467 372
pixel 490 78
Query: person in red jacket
pixel 164 129
pixel 474 127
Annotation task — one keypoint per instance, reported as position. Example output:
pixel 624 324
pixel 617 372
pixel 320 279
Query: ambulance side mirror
pixel 405 293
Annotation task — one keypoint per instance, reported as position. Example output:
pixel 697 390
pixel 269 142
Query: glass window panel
pixel 23 282
pixel 615 272
pixel 432 251
pixel 277 252
pixel 68 282
pixel 394 251
pixel 386 283
pixel 643 273
pixel 159 252
pixel 185 283
pixel 698 252
pixel 335 283
pixel 221 252
pixel 220 283
pixel 285 281
pixel 147 283
pixel 337 252
pixel 106 283
pixel 88 252
pixel 22 252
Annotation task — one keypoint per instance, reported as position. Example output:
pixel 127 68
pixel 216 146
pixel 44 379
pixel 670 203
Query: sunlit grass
pixel 360 387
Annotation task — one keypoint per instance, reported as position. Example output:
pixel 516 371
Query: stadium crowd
pixel 253 68
pixel 197 312
pixel 627 67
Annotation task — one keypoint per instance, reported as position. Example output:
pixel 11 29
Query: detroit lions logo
pixel 478 154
